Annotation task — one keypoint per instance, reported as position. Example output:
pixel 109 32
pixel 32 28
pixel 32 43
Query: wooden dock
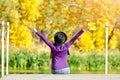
pixel 61 77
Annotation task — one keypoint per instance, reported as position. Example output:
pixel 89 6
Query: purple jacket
pixel 59 53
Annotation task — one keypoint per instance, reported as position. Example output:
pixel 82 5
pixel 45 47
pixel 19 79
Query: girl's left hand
pixel 85 28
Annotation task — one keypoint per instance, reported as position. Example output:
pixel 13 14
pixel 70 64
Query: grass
pixel 26 61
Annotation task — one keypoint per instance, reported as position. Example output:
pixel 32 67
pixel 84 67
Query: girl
pixel 59 50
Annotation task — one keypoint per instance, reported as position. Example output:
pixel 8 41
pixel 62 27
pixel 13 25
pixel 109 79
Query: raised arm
pixel 76 36
pixel 42 37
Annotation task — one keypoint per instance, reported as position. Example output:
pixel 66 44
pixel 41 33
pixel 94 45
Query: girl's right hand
pixel 32 28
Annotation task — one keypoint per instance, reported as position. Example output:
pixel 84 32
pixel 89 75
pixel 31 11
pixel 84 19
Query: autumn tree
pixel 50 16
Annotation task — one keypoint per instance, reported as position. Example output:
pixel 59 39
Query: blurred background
pixel 29 54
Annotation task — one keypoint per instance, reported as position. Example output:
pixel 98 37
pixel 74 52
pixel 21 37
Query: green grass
pixel 25 61
pixel 89 61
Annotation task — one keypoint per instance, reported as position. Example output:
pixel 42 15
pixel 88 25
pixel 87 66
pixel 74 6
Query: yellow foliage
pixel 92 26
pixel 86 42
pixel 20 36
pixel 113 42
pixel 15 14
pixel 30 8
pixel 65 15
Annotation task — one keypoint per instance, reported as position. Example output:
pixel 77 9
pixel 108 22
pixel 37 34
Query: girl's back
pixel 59 57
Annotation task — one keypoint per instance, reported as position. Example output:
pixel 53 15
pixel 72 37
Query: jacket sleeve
pixel 45 40
pixel 74 39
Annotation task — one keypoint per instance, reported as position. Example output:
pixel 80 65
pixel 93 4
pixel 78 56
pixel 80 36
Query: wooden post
pixel 7 48
pixel 106 57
